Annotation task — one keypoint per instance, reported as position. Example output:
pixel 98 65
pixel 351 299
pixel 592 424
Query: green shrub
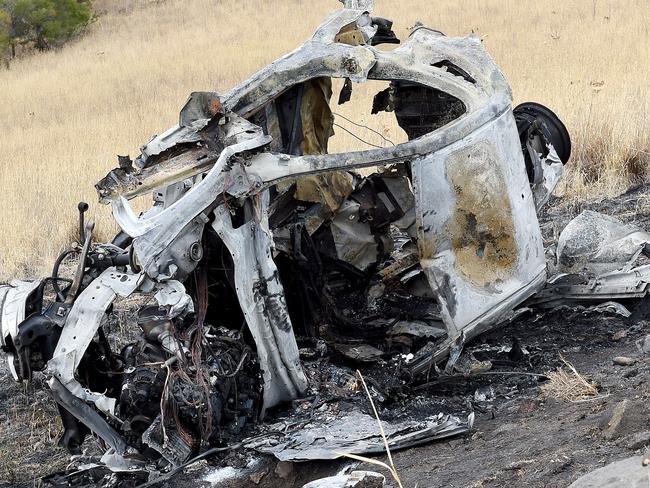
pixel 5 36
pixel 41 23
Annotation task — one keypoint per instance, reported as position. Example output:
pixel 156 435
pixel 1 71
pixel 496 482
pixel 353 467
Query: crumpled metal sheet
pixel 199 109
pixel 479 240
pixel 13 301
pixel 354 241
pixel 417 328
pixel 172 294
pixel 357 433
pixel 85 318
pixel 12 306
pixel 154 237
pixel 552 172
pixel 598 260
pixel 263 303
pixel 611 307
pixel 572 288
pixel 362 353
pixel 356 479
pixel 599 244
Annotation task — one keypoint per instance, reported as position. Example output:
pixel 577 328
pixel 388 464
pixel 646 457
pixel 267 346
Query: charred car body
pixel 258 236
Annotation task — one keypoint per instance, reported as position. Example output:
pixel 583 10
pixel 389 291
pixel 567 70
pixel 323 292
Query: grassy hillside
pixel 65 115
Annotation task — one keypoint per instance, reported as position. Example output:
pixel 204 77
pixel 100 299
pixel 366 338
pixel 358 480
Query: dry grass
pixel 29 431
pixel 65 115
pixel 390 467
pixel 568 385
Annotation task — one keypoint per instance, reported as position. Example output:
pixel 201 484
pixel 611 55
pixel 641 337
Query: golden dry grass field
pixel 64 115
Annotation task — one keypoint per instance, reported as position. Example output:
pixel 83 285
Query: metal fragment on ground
pixel 599 244
pixel 356 479
pixel 357 433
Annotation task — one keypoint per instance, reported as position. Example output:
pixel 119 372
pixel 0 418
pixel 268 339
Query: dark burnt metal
pixel 534 116
pixel 83 208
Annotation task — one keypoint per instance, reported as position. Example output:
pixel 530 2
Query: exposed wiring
pixel 357 137
pixel 365 127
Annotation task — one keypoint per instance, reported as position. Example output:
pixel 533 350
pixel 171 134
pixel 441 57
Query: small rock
pixel 631 373
pixel 284 469
pixel 454 443
pixel 528 406
pixel 257 477
pixel 623 361
pixel 621 334
pixel 646 462
pixel 517 465
pixel 644 345
pixel 624 419
pixel 611 423
pixel 626 473
pixel 505 429
pixel 637 440
pixel 365 479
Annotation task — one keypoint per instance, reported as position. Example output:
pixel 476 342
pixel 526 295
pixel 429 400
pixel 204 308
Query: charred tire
pixel 554 130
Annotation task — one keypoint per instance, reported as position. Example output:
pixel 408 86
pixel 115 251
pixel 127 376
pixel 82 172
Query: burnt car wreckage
pixel 260 240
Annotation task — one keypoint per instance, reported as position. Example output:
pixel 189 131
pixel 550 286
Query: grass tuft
pixel 569 385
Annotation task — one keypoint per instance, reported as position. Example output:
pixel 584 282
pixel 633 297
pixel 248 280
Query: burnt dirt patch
pixel 526 439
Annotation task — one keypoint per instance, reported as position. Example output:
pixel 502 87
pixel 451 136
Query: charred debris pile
pixel 274 269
